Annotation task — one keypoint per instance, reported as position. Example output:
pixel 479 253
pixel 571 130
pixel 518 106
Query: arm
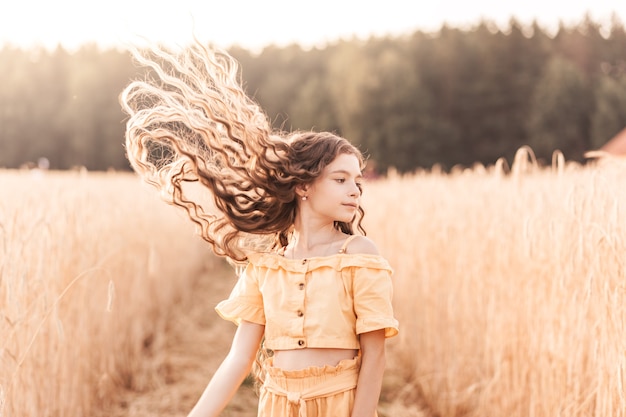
pixel 231 373
pixel 371 374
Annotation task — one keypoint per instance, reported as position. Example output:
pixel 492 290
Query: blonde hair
pixel 191 122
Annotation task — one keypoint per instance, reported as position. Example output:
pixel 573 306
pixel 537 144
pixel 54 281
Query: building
pixel 617 145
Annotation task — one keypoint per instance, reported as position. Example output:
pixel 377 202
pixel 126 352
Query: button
pixel 301 285
pixel 300 313
pixel 304 261
pixel 300 342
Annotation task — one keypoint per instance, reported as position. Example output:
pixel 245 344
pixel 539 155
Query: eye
pixel 340 180
pixel 359 185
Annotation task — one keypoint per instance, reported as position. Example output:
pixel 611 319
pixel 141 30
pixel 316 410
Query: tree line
pixel 456 96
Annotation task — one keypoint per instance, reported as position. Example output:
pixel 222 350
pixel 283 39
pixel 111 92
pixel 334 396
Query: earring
pixel 304 198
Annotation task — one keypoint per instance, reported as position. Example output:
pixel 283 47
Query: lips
pixel 352 205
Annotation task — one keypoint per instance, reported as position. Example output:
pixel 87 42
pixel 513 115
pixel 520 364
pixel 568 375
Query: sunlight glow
pixel 254 24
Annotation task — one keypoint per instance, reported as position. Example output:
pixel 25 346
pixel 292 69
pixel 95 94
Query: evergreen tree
pixel 609 117
pixel 560 113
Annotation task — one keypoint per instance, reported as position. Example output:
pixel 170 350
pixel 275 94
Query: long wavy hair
pixel 195 135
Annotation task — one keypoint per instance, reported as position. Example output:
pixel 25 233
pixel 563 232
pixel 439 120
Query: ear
pixel 302 190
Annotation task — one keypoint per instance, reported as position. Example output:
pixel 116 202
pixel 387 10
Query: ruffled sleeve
pixel 373 293
pixel 245 301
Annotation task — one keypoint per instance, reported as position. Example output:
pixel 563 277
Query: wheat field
pixel 86 280
pixel 509 287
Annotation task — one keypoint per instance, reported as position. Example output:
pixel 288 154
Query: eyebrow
pixel 343 171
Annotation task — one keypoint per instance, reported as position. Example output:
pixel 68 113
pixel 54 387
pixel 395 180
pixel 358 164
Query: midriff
pixel 292 360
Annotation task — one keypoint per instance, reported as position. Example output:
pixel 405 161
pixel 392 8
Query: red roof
pixel 617 145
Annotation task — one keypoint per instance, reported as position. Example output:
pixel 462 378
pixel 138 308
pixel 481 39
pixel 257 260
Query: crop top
pixel 318 302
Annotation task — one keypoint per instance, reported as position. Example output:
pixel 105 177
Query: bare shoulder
pixel 362 245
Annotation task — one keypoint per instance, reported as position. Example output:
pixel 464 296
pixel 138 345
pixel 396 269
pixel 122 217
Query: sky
pixel 255 24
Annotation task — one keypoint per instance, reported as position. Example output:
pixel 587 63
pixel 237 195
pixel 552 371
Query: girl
pixel 313 298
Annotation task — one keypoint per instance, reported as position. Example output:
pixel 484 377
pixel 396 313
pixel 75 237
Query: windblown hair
pixel 192 123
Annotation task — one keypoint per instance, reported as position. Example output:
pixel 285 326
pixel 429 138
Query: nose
pixel 355 191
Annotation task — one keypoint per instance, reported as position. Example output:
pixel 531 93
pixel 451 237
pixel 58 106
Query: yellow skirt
pixel 326 391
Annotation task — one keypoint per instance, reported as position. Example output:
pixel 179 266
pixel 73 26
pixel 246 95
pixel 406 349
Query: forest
pixel 449 98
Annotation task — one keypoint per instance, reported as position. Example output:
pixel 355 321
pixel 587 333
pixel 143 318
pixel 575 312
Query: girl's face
pixel 336 193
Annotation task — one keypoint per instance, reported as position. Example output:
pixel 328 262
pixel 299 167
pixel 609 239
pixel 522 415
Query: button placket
pixel 302 296
pixel 300 310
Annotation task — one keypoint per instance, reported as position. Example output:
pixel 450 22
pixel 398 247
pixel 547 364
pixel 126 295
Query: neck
pixel 311 240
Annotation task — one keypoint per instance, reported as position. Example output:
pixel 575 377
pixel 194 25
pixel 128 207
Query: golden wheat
pixel 89 264
pixel 510 289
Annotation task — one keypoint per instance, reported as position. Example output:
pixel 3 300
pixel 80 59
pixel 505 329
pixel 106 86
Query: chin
pixel 346 220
